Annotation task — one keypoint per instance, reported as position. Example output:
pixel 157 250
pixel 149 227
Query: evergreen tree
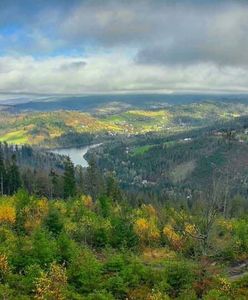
pixel 94 180
pixel 54 182
pixel 105 205
pixel 112 188
pixel 80 180
pixel 14 178
pixel 69 179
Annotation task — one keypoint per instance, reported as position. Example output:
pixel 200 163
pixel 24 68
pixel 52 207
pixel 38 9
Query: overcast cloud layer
pixel 123 46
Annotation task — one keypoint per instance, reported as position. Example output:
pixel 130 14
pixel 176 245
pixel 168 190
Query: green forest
pixel 84 238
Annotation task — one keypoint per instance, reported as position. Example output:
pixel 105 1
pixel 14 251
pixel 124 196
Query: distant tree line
pixel 51 175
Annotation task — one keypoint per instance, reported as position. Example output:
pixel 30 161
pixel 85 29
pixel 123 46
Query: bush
pixel 179 276
pixel 216 295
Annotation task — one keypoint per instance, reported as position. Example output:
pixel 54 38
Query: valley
pixel 47 129
pixel 150 196
pixel 181 147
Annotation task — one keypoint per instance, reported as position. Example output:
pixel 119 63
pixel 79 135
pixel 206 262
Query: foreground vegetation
pixel 85 249
pixel 76 235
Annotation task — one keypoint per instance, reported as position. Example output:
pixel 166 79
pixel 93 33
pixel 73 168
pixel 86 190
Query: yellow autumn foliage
pixel 51 285
pixel 141 225
pixel 157 296
pixel 226 224
pixel 190 229
pixel 87 201
pixel 35 214
pixel 224 283
pixel 4 266
pixel 149 210
pixel 42 206
pixel 146 230
pixel 174 238
pixel 60 205
pixel 7 213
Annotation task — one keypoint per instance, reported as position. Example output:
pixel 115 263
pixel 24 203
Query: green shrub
pixel 84 273
pixel 179 276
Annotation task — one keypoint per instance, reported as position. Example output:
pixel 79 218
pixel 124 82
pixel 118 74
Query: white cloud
pixel 113 72
pixel 130 45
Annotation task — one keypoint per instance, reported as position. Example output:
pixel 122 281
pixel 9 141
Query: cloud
pixel 166 32
pixel 98 73
pixel 172 30
pixel 61 46
pixel 201 36
pixel 73 66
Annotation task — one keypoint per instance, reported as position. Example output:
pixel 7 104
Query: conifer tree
pixel 14 178
pixel 69 179
pixel 94 181
pixel 112 188
pixel 80 180
pixel 54 182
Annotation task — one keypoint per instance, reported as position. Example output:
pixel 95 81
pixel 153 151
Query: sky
pixel 103 46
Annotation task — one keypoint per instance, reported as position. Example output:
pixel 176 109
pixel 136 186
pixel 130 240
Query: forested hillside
pixel 57 128
pixel 79 236
pixel 159 213
pixel 180 164
pixel 47 174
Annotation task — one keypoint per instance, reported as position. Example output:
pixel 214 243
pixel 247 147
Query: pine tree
pixel 112 188
pixel 94 181
pixel 14 178
pixel 54 182
pixel 80 181
pixel 69 179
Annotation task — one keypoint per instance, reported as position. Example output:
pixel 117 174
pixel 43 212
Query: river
pixel 76 154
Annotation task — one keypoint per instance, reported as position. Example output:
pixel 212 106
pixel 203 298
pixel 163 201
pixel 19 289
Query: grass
pixel 141 150
pixel 15 137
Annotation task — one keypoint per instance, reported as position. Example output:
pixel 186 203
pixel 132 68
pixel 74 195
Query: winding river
pixel 76 154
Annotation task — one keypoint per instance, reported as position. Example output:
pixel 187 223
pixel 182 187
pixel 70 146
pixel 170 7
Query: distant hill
pixel 184 162
pixel 49 128
pixel 94 103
